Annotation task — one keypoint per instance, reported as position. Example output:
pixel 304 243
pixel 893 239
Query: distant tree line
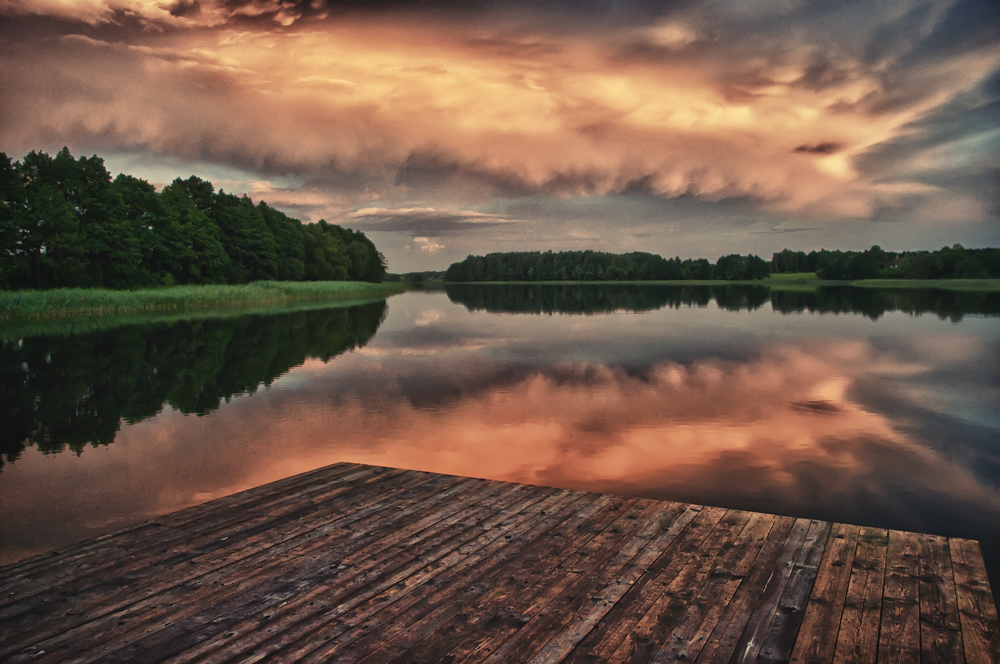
pixel 415 279
pixel 65 223
pixel 955 262
pixel 600 266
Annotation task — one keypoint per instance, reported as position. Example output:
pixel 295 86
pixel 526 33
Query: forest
pixel 600 266
pixel 65 223
pixel 955 262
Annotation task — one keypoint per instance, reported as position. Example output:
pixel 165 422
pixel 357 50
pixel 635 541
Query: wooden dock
pixel 365 564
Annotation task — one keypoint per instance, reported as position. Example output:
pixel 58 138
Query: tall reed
pixel 72 302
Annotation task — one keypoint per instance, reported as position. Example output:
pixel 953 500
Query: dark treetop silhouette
pixel 65 223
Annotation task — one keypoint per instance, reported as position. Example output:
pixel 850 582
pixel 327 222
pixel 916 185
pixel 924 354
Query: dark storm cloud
pixel 424 170
pixel 968 25
pixel 781 231
pixel 424 221
pixel 635 11
pixel 955 147
pixel 828 147
pixel 567 14
pixel 186 9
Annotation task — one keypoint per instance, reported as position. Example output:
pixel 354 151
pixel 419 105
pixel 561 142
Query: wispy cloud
pixel 424 220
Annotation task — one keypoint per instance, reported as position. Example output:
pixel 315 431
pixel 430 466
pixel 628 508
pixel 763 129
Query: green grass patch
pixel 67 326
pixel 629 282
pixel 793 277
pixel 66 303
pixel 988 285
pixel 800 281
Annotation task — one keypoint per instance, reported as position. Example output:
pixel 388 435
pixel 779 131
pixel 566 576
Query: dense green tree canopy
pixel 955 262
pixel 65 223
pixel 599 266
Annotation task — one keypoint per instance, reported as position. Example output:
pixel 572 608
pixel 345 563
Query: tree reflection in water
pixel 71 391
pixel 872 303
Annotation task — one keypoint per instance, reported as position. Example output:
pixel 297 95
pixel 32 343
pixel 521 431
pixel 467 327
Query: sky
pixel 444 128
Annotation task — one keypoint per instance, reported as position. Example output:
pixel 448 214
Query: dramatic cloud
pixel 424 220
pixel 879 112
pixel 819 148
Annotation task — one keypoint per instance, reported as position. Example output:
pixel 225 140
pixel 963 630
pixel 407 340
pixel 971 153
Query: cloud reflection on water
pixel 781 432
pixel 813 424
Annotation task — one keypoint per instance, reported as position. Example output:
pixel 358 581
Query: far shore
pixel 68 303
pixel 794 281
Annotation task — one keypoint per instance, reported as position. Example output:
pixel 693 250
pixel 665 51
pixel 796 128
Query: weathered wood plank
pixel 643 643
pixel 818 633
pixel 461 586
pixel 589 585
pixel 978 613
pixel 494 547
pixel 128 540
pixel 899 637
pixel 779 639
pixel 582 621
pixel 230 522
pixel 620 621
pixel 357 563
pixel 260 619
pixel 366 541
pixel 739 630
pixel 508 606
pixel 940 625
pixel 688 638
pixel 176 595
pixel 204 528
pixel 591 535
pixel 157 573
pixel 436 539
pixel 857 639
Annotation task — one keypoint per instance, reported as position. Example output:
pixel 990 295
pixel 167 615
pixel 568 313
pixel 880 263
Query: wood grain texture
pixel 899 637
pixel 940 625
pixel 784 628
pixel 977 612
pixel 818 634
pixel 857 638
pixel 355 563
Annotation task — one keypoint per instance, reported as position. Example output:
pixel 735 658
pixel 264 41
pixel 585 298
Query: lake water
pixel 871 407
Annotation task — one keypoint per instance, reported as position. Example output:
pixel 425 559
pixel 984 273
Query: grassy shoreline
pixel 66 326
pixel 64 303
pixel 802 281
pixel 989 285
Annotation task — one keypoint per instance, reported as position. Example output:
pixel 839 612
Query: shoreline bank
pixel 794 283
pixel 67 303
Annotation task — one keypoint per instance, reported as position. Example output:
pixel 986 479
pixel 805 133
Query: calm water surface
pixel 869 407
